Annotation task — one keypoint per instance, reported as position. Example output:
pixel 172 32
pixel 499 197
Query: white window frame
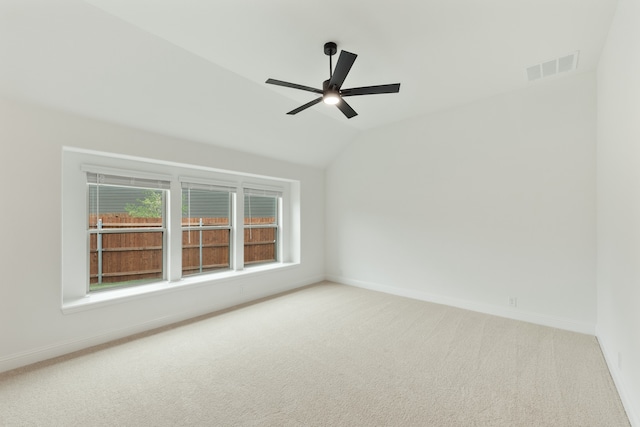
pixel 258 190
pixel 230 187
pixel 75 272
pixel 127 179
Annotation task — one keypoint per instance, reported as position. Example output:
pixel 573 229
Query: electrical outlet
pixel 513 301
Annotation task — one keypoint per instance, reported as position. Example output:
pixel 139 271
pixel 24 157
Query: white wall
pixel 476 204
pixel 32 326
pixel 619 203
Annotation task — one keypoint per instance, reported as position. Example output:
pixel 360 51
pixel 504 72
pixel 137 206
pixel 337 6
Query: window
pixel 206 228
pixel 127 229
pixel 261 226
pixel 133 226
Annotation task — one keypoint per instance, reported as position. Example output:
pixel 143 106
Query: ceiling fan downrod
pixel 330 49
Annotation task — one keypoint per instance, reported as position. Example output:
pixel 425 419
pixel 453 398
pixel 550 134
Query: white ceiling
pixel 196 68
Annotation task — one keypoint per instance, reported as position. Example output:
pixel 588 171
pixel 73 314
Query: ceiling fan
pixel 332 92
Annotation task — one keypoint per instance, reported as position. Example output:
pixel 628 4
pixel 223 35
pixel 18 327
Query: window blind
pixel 186 185
pixel 262 192
pixel 127 181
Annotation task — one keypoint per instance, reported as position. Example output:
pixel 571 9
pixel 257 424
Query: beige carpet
pixel 326 355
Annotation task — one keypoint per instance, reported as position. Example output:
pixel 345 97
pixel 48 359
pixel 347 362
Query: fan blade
pixel 371 90
pixel 293 85
pixel 305 106
pixel 346 109
pixel 343 66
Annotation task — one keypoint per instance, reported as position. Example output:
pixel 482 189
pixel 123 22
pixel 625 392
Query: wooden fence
pixel 122 257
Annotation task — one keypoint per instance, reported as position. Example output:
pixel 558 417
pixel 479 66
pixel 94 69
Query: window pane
pixel 214 207
pixel 260 245
pixel 205 249
pixel 260 209
pixel 127 259
pixel 130 257
pixel 261 231
pixel 120 207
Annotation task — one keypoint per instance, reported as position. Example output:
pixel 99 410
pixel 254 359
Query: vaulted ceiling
pixel 196 68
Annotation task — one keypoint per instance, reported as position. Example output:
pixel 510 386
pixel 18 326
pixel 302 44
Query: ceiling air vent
pixel 555 66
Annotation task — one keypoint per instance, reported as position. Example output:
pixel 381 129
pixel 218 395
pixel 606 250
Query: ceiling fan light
pixel 331 97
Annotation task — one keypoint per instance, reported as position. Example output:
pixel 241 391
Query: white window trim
pixel 76 162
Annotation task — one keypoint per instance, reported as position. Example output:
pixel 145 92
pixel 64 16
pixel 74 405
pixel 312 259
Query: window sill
pixel 101 299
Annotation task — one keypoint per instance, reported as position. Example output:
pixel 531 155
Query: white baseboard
pixel 39 354
pixel 631 405
pixel 516 314
pixel 256 292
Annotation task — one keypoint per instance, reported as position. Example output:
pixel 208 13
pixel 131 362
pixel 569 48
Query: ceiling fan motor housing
pixel 326 87
pixel 330 94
